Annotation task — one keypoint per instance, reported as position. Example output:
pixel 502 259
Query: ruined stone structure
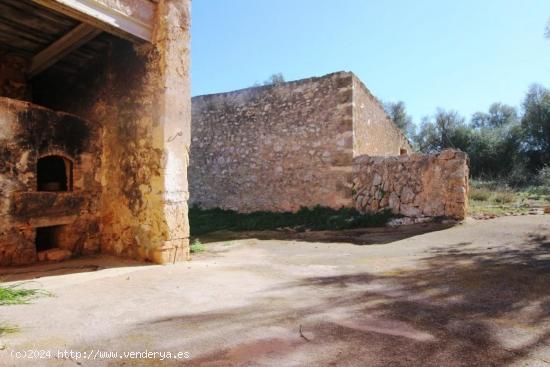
pixel 285 146
pixel 96 158
pixel 414 186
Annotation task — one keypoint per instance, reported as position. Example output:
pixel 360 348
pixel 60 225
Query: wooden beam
pixel 130 19
pixel 62 47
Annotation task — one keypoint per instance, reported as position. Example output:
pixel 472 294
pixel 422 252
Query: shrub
pixel 480 194
pixel 504 197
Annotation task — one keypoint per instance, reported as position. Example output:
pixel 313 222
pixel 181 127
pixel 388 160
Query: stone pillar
pixel 145 105
pixel 172 128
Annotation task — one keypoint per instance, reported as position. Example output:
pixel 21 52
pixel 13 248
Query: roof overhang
pixel 131 19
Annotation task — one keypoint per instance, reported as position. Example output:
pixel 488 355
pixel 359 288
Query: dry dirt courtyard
pixel 476 294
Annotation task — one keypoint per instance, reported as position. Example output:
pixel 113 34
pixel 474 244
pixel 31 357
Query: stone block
pixel 57 254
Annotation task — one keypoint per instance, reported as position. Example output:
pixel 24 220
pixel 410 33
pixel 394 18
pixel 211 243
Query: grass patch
pixel 479 194
pixel 204 221
pixel 498 198
pixel 505 197
pixel 7 329
pixel 15 295
pixel 197 247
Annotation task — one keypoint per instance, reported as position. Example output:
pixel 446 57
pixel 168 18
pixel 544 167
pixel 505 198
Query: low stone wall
pixel 413 185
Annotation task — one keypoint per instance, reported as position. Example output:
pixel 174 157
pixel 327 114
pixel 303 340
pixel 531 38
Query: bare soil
pixel 475 294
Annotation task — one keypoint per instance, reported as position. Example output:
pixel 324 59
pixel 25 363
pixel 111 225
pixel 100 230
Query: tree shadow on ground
pixel 484 307
pixel 361 236
pixel 464 306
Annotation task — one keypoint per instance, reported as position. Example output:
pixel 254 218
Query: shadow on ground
pixel 361 236
pixel 82 264
pixel 463 307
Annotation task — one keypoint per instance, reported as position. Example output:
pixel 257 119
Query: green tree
pixel 398 114
pixel 446 129
pixel 275 79
pixel 499 115
pixel 494 152
pixel 536 126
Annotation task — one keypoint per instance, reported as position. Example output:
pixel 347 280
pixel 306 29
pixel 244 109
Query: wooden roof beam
pixel 130 19
pixel 62 47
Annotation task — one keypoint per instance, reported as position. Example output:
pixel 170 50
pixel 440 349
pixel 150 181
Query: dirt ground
pixel 476 294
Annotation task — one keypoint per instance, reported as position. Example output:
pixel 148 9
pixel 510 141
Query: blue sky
pixel 460 55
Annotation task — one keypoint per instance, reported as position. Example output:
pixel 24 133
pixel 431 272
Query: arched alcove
pixel 54 173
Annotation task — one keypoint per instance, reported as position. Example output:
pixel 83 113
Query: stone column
pixel 172 129
pixel 144 104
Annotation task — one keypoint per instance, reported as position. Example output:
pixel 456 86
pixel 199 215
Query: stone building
pixel 284 146
pixel 94 129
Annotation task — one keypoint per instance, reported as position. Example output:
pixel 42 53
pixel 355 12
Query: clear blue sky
pixel 460 55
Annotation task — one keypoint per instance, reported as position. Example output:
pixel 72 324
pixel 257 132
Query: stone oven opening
pixel 54 173
pixel 47 238
pixel 51 243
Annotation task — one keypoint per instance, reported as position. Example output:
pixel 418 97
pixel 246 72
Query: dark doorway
pixel 54 173
pixel 47 238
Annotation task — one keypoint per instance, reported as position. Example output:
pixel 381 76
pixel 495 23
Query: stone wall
pixel 281 147
pixel 13 81
pixel 374 133
pixel 414 185
pixel 141 94
pixel 273 148
pixel 136 167
pixel 27 133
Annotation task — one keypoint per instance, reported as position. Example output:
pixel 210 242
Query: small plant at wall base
pixel 318 218
pixel 197 247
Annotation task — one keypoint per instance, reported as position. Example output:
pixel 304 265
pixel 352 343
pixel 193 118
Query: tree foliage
pixel 536 126
pixel 445 129
pixel 275 79
pixel 499 115
pixel 398 114
pixel 501 143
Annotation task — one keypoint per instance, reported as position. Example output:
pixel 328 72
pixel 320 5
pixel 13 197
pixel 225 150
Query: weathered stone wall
pixel 274 148
pixel 374 133
pixel 27 133
pixel 141 95
pixel 281 147
pixel 13 82
pixel 413 185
